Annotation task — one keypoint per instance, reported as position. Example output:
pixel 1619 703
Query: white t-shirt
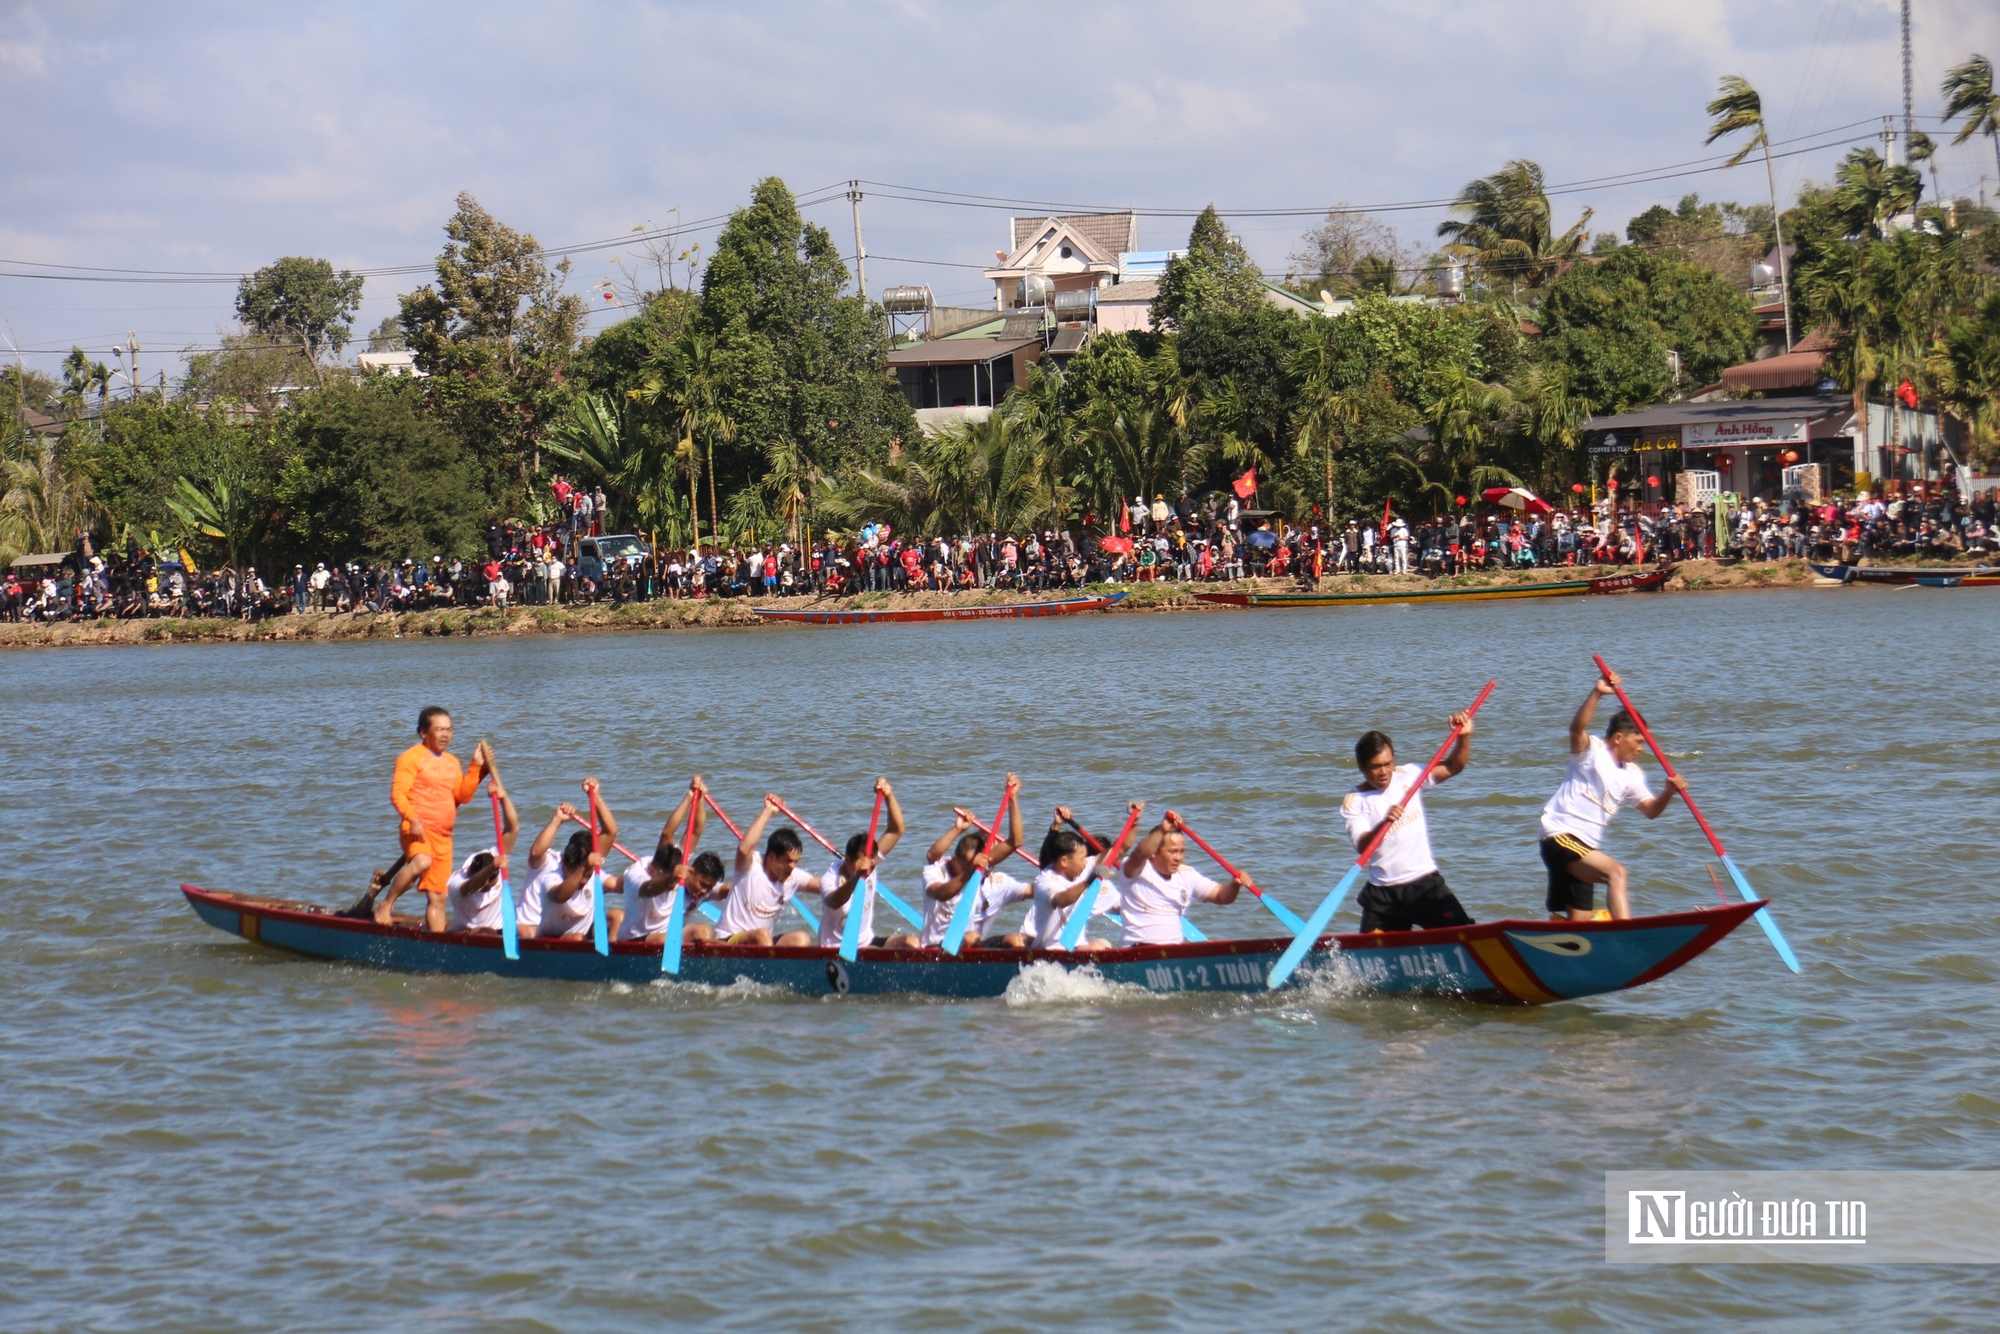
pixel 832 920
pixel 1046 924
pixel 997 890
pixel 755 902
pixel 541 875
pixel 937 912
pixel 1592 791
pixel 474 912
pixel 1405 854
pixel 643 915
pixel 1154 904
pixel 560 919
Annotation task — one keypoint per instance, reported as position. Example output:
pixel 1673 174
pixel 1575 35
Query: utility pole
pixel 1909 118
pixel 860 250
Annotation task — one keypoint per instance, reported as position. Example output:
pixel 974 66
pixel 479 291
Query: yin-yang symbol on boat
pixel 836 976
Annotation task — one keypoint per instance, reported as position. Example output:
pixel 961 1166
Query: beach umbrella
pixel 1263 537
pixel 1516 498
pixel 1121 545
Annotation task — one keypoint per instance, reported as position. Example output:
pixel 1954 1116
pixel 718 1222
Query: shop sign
pixel 1773 431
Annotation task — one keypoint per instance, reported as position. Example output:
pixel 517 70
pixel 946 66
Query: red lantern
pixel 1577 487
pixel 1652 481
pixel 1461 500
pixel 1789 457
pixel 1611 483
pixel 1724 462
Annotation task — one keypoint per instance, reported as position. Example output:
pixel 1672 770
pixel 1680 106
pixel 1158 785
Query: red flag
pixel 1907 392
pixel 1124 516
pixel 1385 517
pixel 1246 485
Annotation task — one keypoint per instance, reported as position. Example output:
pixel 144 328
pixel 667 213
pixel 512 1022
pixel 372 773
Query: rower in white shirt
pixel 474 889
pixel 763 885
pixel 1405 890
pixel 1602 776
pixel 1068 870
pixel 951 861
pixel 649 882
pixel 558 900
pixel 857 870
pixel 1158 887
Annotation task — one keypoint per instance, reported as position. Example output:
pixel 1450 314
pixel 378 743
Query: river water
pixel 201 1134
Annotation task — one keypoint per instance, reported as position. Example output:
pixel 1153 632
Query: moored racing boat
pixel 1613 583
pixel 1527 962
pixel 973 612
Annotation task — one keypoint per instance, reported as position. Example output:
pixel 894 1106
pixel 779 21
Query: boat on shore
pixel 1649 581
pixel 976 612
pixel 1508 962
pixel 1933 576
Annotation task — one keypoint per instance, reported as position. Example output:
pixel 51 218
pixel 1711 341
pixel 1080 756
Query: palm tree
pixel 1552 415
pixel 1920 147
pixel 1509 226
pixel 691 385
pixel 1969 94
pixel 1738 109
pixel 1869 190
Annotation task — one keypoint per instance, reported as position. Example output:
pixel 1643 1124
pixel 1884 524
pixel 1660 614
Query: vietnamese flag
pixel 1246 485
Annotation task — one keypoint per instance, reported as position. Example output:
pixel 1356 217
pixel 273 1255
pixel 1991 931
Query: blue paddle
pixel 1079 913
pixel 1764 918
pixel 1306 938
pixel 908 913
pixel 670 949
pixel 600 934
pixel 961 912
pixel 510 931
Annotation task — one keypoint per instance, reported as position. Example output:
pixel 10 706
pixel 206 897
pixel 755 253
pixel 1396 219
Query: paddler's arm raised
pixel 510 819
pixel 610 821
pixel 746 847
pixel 961 821
pixel 1579 726
pixel 1015 837
pixel 546 839
pixel 674 822
pixel 892 833
pixel 468 782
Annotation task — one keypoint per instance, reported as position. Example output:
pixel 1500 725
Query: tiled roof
pixel 1107 233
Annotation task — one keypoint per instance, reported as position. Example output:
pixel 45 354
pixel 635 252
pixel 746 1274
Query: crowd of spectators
pixel 567 561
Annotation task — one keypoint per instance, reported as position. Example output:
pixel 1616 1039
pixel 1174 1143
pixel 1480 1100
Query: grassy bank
pixel 712 613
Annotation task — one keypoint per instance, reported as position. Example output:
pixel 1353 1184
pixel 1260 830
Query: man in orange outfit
pixel 427 791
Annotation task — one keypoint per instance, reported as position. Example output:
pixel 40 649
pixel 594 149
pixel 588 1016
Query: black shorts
pixel 1421 904
pixel 1566 892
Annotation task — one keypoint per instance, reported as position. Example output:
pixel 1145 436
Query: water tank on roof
pixel 1035 290
pixel 1073 305
pixel 1451 282
pixel 1762 275
pixel 906 300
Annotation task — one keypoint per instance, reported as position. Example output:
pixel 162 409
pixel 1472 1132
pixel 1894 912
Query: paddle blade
pixel 850 929
pixel 812 922
pixel 1293 922
pixel 670 949
pixel 600 934
pixel 710 911
pixel 1302 943
pixel 1189 931
pixel 510 931
pixel 961 914
pixel 1764 918
pixel 1079 915
pixel 904 910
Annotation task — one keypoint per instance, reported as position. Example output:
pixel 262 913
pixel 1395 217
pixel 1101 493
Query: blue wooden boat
pixel 1933 576
pixel 977 611
pixel 1529 962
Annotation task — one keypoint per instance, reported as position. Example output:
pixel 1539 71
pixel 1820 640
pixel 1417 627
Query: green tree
pixel 1611 324
pixel 1738 109
pixel 81 378
pixel 148 445
pixel 1215 277
pixel 1971 99
pixel 371 474
pixel 301 302
pixel 1508 226
pixel 1869 190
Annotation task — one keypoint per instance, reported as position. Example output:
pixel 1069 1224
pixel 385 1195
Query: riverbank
pixel 718 613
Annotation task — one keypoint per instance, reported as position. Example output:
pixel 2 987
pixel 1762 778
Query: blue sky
pixel 217 137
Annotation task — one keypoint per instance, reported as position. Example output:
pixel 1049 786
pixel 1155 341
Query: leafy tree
pixel 1508 226
pixel 1215 277
pixel 1869 190
pixel 1347 254
pixel 221 513
pixel 1964 365
pixel 371 474
pixel 1611 324
pixel 1724 237
pixel 81 378
pixel 303 302
pixel 1738 109
pixel 1971 98
pixel 148 445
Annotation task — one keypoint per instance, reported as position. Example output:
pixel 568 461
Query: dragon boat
pixel 976 612
pixel 1613 583
pixel 1933 576
pixel 1525 962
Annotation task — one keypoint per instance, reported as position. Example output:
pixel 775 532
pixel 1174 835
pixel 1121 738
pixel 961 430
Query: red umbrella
pixel 1516 498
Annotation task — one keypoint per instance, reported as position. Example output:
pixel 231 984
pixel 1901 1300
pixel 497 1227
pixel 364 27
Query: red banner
pixel 1246 485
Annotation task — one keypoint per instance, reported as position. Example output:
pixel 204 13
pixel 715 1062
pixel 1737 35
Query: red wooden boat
pixel 1612 583
pixel 975 612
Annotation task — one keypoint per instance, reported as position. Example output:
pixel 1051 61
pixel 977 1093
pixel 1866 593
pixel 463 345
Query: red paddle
pixel 1293 922
pixel 813 833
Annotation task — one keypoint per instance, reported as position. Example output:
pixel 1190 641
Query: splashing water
pixel 1046 983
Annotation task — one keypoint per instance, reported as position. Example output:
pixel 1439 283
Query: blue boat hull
pixel 1506 962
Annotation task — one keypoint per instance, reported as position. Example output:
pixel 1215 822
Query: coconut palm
pixel 1971 99
pixel 1739 110
pixel 1869 190
pixel 44 495
pixel 690 385
pixel 1509 226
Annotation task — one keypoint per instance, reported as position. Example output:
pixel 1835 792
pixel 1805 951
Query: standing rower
pixel 1602 777
pixel 857 870
pixel 649 882
pixel 1404 889
pixel 427 790
pixel 764 885
pixel 1158 887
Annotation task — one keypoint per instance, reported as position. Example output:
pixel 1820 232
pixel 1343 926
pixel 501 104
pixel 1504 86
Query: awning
pixel 959 351
pixel 1792 370
pixel 41 562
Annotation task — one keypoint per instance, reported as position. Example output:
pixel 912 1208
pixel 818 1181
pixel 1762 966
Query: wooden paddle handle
pixel 1661 756
pixel 811 832
pixel 1423 777
pixel 874 822
pixel 1220 860
pixel 727 823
